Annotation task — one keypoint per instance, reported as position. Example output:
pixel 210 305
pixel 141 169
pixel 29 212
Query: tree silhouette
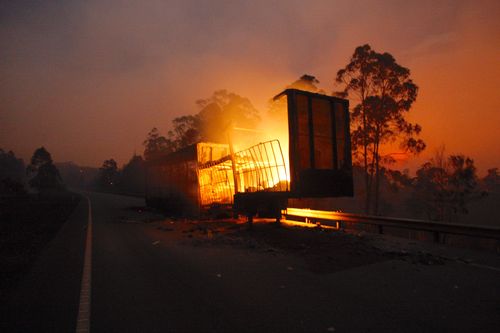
pixel 44 173
pixel 492 180
pixel 155 144
pixel 277 109
pixel 108 174
pixel 384 93
pixel 40 157
pixel 185 132
pixel 132 175
pixel 11 173
pixel 222 110
pixel 306 82
pixel 217 113
pixel 444 186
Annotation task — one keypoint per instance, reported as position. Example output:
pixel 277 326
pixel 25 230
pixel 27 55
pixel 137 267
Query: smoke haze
pixel 89 79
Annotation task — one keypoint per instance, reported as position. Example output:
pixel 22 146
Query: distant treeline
pixel 381 94
pixel 445 188
pixel 39 176
pixel 130 179
pixel 42 175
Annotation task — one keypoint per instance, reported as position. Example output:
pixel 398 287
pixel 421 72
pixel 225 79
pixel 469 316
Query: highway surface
pixel 143 282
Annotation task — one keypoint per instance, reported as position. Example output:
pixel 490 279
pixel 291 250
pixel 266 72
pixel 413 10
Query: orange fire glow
pixel 310 213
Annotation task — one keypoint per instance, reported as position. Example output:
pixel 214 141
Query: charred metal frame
pixel 254 181
pixel 261 168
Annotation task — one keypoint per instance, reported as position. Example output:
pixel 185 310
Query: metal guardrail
pixel 337 219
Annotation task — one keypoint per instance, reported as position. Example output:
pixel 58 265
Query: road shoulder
pixel 46 300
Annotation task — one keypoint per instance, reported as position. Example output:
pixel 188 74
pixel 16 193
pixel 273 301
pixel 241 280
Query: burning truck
pixel 312 160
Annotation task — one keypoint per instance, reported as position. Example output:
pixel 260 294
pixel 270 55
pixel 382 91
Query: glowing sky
pixel 89 79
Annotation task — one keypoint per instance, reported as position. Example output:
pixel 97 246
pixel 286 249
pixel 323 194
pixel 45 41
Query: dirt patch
pixel 323 250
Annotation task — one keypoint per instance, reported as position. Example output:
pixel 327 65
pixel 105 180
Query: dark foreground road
pixel 144 282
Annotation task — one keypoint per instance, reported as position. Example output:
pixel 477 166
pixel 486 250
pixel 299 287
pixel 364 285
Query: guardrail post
pixel 380 229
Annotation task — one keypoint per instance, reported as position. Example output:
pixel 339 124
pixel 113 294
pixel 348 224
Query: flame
pixel 310 213
pixel 258 168
pixel 261 161
pixel 308 225
pixel 311 217
pixel 273 126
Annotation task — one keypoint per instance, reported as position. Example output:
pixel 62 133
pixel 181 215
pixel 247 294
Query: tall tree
pixel 223 110
pixel 384 93
pixel 217 114
pixel 44 173
pixel 186 131
pixel 155 144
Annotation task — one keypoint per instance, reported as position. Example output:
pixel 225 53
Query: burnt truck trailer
pixel 173 181
pixel 259 180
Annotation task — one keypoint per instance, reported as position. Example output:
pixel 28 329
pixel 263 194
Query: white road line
pixel 83 321
pixel 491 268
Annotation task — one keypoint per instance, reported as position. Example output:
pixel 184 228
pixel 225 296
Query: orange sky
pixel 89 79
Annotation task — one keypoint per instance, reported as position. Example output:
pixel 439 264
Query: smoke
pixel 89 79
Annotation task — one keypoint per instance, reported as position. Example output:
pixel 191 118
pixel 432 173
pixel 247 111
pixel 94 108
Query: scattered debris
pixel 427 259
pixel 418 257
pixel 156 243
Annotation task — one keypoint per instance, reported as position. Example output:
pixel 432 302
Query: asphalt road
pixel 47 299
pixel 143 283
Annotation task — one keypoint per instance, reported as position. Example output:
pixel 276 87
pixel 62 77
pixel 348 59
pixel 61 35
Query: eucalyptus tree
pixel 384 93
pixel 155 144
